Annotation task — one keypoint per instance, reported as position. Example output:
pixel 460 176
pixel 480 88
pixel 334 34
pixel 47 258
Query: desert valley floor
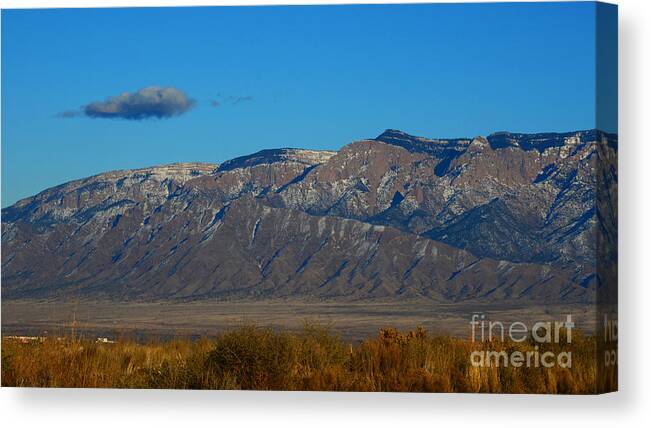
pixel 352 321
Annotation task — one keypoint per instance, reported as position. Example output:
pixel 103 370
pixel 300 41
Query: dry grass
pixel 315 359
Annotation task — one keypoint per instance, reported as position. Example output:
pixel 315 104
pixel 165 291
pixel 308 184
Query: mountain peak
pixel 434 147
pixel 479 144
pixel 496 140
pixel 269 156
pixel 391 132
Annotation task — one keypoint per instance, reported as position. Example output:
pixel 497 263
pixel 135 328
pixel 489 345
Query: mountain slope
pixel 506 217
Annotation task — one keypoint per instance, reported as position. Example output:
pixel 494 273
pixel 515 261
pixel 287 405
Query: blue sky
pixel 312 77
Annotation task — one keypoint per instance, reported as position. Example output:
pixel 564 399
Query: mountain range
pixel 507 217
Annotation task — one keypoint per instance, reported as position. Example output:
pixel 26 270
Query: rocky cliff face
pixel 503 217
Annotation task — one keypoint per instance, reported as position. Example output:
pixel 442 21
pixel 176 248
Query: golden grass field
pixel 312 359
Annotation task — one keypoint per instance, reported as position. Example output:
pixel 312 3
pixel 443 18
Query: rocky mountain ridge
pixel 503 217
